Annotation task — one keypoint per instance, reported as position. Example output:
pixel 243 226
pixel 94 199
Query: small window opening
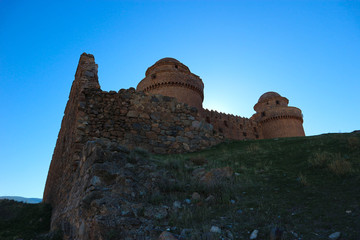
pixel 153 76
pixel 263 114
pixel 257 136
pixel 277 102
pixel 244 134
pixel 176 66
pixel 207 119
pixel 267 103
pixel 220 130
pixel 226 124
pixel 241 126
pixel 255 129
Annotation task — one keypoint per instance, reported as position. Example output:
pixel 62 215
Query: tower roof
pixel 166 62
pixel 167 59
pixel 270 99
pixel 267 96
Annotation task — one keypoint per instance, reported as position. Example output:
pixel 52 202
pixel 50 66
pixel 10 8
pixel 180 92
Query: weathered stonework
pixel 164 115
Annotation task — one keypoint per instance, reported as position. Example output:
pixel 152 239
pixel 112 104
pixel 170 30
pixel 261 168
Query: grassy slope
pixel 304 185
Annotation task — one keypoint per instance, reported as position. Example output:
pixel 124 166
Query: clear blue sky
pixel 308 51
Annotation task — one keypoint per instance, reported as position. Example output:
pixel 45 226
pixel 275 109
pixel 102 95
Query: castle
pixel 273 117
pixel 163 115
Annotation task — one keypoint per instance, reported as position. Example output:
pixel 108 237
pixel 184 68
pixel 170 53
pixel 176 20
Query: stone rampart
pixel 231 126
pixel 155 123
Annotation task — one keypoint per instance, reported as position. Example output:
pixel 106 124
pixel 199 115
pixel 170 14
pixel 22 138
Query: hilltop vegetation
pixel 20 220
pixel 305 187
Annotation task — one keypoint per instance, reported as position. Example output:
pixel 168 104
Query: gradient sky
pixel 307 51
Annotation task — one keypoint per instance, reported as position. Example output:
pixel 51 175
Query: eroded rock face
pixel 110 195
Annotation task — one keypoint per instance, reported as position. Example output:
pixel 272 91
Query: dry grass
pixel 303 179
pixel 319 159
pixel 340 167
pixel 254 147
pixel 333 161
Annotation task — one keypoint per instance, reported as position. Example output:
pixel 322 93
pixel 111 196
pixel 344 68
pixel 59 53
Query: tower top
pixel 170 77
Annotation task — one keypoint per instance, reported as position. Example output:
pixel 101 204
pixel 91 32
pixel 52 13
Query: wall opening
pixel 153 76
pixel 226 124
pixel 207 119
pixel 263 114
pixel 277 102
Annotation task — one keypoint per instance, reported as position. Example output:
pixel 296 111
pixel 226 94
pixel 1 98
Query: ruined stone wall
pixel 156 123
pixel 66 154
pixel 232 127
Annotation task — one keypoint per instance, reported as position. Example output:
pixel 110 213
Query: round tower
pixel 171 78
pixel 276 118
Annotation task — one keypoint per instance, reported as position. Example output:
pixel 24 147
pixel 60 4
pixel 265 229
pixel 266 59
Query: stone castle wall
pixel 232 127
pixel 156 123
pixel 66 156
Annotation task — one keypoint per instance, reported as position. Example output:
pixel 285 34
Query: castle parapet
pixel 232 126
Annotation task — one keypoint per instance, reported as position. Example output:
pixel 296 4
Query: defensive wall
pixel 231 126
pixel 155 123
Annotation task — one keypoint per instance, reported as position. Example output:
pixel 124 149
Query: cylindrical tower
pixel 276 118
pixel 170 77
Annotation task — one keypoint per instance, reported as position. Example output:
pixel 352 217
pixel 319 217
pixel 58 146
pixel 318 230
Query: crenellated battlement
pixel 232 126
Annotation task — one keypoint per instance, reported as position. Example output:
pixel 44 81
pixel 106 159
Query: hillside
pixel 19 220
pixel 304 188
pixel 22 199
